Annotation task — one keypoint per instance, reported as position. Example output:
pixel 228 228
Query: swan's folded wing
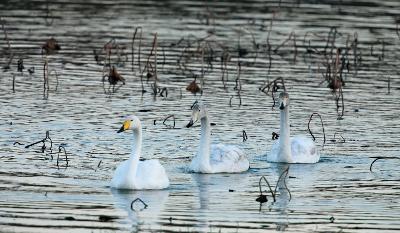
pixel 151 175
pixel 304 150
pixel 228 158
pixel 122 178
pixel 221 152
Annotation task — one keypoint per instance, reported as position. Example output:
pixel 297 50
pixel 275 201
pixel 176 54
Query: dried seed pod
pixel 31 70
pixel 193 87
pixel 275 136
pixel 20 65
pixel 51 46
pixel 114 77
pixel 335 84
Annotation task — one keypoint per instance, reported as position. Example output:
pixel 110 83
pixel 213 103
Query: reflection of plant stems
pixel 336 65
pixel 285 172
pixel 244 135
pixel 56 74
pixel 13 83
pixel 138 199
pixel 155 59
pixel 140 47
pixel 270 26
pixel 284 182
pixel 162 91
pixel 255 45
pixel 45 78
pixel 334 138
pixel 164 58
pixel 133 50
pixel 292 34
pixel 153 72
pixel 380 157
pixel 238 85
pixel 5 35
pixel 269 47
pixel 262 197
pixel 47 15
pixel 339 97
pixel 60 148
pixel 270 189
pixel 331 39
pixel 173 118
pixel 274 88
pixel 224 67
pixel 323 128
pixel 146 67
pixel 202 67
pixel 139 52
pixel 355 54
pixel 10 53
pixel 43 141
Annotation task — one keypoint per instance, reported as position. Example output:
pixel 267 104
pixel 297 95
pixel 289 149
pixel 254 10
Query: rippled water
pixel 339 194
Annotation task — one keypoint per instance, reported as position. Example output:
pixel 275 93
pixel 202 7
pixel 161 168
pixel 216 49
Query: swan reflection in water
pixel 140 214
pixel 283 196
pixel 215 198
pixel 303 176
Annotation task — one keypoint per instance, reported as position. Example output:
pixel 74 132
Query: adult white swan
pixel 299 149
pixel 214 158
pixel 135 174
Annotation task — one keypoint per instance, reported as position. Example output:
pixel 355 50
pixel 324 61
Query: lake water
pixel 338 194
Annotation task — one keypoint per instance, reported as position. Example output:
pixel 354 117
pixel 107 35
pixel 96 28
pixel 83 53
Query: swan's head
pixel 283 100
pixel 198 111
pixel 132 122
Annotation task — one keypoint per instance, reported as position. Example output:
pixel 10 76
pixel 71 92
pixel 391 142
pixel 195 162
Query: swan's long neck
pixel 285 150
pixel 205 143
pixel 136 149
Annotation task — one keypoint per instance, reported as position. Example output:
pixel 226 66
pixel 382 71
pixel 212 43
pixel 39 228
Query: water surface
pixel 339 194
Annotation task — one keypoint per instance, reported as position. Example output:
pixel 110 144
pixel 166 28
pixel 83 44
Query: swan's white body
pixel 299 149
pixel 135 174
pixel 215 158
pixel 150 174
pixel 302 150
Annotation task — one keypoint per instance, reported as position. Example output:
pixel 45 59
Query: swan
pixel 299 149
pixel 135 174
pixel 214 158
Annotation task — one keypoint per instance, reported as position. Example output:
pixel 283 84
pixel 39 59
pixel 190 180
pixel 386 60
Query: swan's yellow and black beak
pixel 125 126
